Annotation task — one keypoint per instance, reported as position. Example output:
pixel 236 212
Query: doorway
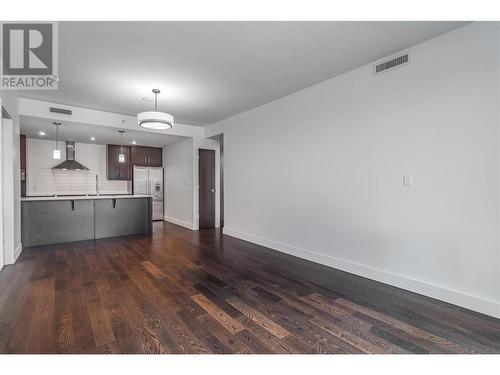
pixel 206 190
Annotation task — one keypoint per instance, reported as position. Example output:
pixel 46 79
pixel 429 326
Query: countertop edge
pixel 74 198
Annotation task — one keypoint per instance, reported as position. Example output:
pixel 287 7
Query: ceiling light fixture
pixel 134 142
pixel 56 153
pixel 92 138
pixel 42 133
pixel 121 155
pixel 155 120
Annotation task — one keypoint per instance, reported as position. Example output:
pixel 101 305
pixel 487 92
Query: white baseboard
pixel 182 223
pixel 17 252
pixel 468 301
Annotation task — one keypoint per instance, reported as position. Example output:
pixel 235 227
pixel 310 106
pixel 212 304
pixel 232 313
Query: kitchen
pixel 106 184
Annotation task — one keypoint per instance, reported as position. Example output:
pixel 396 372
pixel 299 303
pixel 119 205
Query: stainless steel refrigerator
pixel 149 180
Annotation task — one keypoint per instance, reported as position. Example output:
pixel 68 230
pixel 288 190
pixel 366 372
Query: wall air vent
pixel 61 111
pixel 392 62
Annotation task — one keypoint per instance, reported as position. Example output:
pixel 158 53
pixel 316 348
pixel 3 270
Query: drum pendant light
pixel 155 120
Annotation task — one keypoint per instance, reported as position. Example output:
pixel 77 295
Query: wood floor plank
pixel 218 314
pixel 234 344
pixel 20 330
pixel 441 342
pixel 41 330
pixel 259 318
pixel 153 270
pixel 412 348
pixel 101 328
pixel 344 335
pixel 327 305
pixel 62 319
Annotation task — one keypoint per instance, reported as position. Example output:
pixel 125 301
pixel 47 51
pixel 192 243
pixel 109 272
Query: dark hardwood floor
pixel 201 292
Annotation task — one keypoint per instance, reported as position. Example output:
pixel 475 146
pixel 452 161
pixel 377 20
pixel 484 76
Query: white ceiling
pixel 209 71
pixel 81 133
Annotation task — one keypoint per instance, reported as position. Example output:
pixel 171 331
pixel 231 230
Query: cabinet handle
pixel 72 205
pixel 114 203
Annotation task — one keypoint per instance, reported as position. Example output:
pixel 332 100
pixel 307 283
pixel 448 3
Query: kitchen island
pixel 58 219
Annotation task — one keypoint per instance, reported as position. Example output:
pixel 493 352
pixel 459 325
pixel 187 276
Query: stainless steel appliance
pixel 70 164
pixel 149 180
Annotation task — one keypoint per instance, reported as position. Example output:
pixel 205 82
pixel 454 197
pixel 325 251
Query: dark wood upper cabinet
pixel 144 156
pixel 115 169
pixel 22 150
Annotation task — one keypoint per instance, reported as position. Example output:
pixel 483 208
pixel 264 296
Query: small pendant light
pixel 121 155
pixel 56 153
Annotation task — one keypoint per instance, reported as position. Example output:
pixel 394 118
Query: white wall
pixel 318 174
pixel 2 251
pixel 181 181
pixel 11 181
pixel 178 172
pixel 43 180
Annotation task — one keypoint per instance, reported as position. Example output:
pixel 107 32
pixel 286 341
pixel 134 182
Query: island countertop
pixel 83 197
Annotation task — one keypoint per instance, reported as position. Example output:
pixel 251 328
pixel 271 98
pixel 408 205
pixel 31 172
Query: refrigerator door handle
pixel 150 187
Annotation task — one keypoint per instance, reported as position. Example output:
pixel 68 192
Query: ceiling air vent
pixel 392 62
pixel 61 111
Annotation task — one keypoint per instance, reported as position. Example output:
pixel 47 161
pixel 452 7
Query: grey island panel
pixel 122 217
pixel 50 222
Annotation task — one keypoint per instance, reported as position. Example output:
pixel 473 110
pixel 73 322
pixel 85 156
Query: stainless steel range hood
pixel 70 164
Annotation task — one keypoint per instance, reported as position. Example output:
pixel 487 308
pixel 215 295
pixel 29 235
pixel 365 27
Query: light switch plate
pixel 407 180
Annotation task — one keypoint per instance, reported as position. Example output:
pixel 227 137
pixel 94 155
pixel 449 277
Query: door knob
pixel 212 190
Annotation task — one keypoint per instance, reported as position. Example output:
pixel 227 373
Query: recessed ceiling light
pixel 134 142
pixel 92 138
pixel 41 132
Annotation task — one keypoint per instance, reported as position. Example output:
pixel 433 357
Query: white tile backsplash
pixel 41 179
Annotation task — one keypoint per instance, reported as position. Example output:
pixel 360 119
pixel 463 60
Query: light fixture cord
pixel 121 142
pixel 156 102
pixel 57 136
